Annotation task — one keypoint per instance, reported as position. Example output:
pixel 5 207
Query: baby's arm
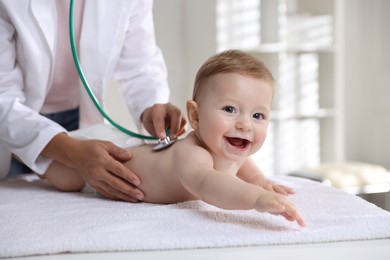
pixel 249 172
pixel 64 178
pixel 229 192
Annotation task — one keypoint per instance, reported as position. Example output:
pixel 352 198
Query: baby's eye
pixel 229 109
pixel 258 116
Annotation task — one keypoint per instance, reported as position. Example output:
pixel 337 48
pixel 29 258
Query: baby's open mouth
pixel 238 142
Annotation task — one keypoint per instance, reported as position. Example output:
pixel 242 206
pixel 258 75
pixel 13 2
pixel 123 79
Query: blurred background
pixel 331 60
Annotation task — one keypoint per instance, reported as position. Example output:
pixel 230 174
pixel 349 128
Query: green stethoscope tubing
pixel 85 82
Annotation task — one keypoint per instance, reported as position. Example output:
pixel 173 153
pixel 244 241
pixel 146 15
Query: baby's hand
pixel 273 186
pixel 278 204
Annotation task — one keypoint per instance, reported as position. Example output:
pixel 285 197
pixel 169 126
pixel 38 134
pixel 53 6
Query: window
pixel 295 41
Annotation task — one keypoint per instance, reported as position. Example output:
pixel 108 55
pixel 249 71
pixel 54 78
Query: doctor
pixel 41 97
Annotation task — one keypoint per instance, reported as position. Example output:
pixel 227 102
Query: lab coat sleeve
pixel 23 131
pixel 141 71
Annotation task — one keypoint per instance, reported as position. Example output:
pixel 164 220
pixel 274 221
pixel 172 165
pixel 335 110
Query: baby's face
pixel 234 115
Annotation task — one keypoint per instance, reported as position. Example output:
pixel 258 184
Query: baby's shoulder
pixel 190 148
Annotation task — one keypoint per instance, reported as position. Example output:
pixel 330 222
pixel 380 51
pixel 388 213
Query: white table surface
pixel 354 250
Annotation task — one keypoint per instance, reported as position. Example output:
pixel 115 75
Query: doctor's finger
pixel 123 173
pixel 119 188
pixel 158 120
pixel 108 192
pixel 117 180
pixel 116 166
pixel 183 127
pixel 119 153
pixel 176 122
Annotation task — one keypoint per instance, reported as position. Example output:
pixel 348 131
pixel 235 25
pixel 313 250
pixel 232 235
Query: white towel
pixel 36 219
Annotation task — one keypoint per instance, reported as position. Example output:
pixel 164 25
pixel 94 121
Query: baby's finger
pixel 301 221
pixel 275 208
pixel 283 189
pixel 280 190
pixel 295 215
pixel 287 216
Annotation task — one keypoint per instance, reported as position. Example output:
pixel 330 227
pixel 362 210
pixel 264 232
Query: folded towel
pixel 36 219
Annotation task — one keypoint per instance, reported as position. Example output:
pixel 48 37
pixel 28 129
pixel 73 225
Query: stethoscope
pixel 162 143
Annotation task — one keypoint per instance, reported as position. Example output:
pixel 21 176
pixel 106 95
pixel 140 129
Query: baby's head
pixel 231 61
pixel 231 103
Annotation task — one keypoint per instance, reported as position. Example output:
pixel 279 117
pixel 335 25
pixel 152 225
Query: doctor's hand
pixel 159 117
pixel 100 163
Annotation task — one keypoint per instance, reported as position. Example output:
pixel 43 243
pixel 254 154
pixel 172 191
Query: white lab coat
pixel 117 42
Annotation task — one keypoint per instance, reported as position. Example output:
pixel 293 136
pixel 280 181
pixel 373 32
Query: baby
pixel 229 114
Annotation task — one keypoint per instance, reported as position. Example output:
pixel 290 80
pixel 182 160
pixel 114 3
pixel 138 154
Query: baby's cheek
pixel 259 138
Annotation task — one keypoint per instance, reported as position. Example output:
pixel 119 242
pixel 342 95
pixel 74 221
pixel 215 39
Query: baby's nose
pixel 243 124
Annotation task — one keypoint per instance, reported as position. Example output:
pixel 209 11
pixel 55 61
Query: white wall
pixel 367 78
pixel 170 30
pixel 186 40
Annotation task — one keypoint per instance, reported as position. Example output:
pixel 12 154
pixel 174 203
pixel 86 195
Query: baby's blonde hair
pixel 231 61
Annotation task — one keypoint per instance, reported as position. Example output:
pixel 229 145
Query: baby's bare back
pixel 156 169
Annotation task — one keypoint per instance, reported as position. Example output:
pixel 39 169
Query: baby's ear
pixel 193 113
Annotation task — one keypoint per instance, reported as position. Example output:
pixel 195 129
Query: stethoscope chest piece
pixel 163 143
